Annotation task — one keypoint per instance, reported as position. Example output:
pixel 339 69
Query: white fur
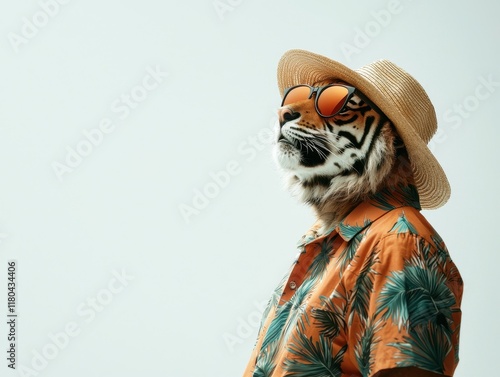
pixel 343 188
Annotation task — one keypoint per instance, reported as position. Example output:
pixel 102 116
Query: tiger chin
pixel 335 163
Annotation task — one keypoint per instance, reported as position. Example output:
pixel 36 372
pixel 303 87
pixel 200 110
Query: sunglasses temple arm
pixel 369 102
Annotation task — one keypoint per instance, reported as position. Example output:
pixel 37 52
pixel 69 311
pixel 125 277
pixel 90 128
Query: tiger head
pixel 335 163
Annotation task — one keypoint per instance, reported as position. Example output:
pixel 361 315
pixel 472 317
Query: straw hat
pixel 398 95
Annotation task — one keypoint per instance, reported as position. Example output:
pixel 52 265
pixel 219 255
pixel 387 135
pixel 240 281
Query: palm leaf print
pixel 393 300
pixel 457 346
pixel 276 326
pixel 265 364
pixel 423 256
pixel 410 196
pixel 274 300
pixel 320 262
pixel 288 315
pixel 330 319
pixel 416 296
pixel 365 346
pixel 383 200
pixel 442 253
pixel 362 291
pixel 314 359
pixel 429 298
pixel 444 261
pixel 402 225
pixel 354 234
pixel 349 231
pixel 427 346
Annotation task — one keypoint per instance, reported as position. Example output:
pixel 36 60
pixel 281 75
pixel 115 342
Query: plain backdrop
pixel 151 251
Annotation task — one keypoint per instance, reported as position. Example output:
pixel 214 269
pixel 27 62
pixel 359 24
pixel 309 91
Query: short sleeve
pixel 405 307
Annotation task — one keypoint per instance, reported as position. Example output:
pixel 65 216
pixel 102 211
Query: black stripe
pixel 352 138
pixel 359 165
pixel 329 126
pixel 299 129
pixel 318 180
pixel 340 122
pixel 364 109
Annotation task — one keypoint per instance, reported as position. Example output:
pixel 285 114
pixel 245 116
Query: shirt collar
pixel 366 213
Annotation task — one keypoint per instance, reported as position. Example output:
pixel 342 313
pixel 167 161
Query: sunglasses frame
pixel 319 89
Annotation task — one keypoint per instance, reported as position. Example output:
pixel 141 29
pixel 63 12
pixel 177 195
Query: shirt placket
pixel 301 267
pixel 297 275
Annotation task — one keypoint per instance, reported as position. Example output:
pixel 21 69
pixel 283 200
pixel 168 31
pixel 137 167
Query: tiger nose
pixel 285 114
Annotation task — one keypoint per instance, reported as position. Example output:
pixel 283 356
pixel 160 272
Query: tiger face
pixel 340 159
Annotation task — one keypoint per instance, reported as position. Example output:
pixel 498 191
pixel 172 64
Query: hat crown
pixel 406 95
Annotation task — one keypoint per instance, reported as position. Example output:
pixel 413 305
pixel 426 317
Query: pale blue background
pixel 196 284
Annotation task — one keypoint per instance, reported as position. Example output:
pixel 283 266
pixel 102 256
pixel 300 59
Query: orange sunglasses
pixel 330 99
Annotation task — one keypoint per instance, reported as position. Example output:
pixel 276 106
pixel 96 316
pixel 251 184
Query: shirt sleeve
pixel 405 307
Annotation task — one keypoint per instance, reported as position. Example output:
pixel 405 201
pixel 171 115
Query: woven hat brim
pixel 303 67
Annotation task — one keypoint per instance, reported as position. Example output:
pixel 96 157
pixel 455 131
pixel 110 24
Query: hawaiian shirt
pixel 379 291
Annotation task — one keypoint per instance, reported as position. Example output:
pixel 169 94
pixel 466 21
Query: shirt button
pixel 293 285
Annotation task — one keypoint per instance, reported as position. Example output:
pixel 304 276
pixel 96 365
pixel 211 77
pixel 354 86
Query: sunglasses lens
pixel 299 93
pixel 332 99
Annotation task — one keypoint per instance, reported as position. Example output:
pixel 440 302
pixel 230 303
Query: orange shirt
pixel 377 292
